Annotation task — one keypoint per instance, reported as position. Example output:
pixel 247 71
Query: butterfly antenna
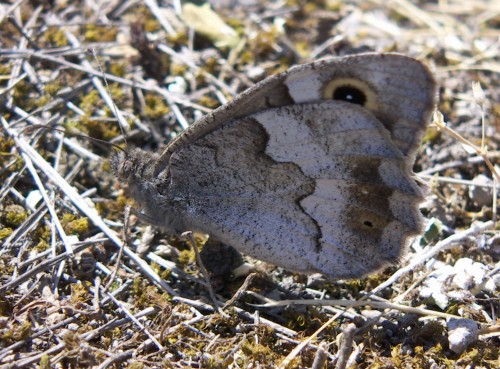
pixel 121 120
pixel 31 129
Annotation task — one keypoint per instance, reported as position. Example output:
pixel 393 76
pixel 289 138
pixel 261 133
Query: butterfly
pixel 309 169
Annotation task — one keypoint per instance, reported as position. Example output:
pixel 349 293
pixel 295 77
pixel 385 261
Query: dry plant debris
pixel 71 297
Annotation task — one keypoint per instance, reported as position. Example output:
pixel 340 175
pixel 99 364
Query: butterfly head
pixel 136 169
pixel 122 165
pixel 133 165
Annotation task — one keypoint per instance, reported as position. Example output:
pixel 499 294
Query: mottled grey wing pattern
pixel 313 187
pixel 289 175
pixel 399 91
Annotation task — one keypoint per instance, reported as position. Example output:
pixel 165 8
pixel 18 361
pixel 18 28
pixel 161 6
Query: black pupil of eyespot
pixel 350 94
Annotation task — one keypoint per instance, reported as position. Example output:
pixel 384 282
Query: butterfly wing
pixel 311 187
pixel 398 90
pixel 288 174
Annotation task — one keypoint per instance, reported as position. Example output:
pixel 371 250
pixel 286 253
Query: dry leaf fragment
pixel 208 23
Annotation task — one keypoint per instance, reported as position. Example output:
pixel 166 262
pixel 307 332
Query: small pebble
pixel 482 196
pixel 461 333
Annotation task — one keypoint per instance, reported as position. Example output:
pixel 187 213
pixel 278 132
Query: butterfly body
pixel 288 175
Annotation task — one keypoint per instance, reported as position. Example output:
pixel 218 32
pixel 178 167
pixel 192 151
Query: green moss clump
pixel 155 107
pixel 116 207
pixel 100 33
pixel 53 88
pixel 258 352
pixel 42 234
pixel 54 37
pixel 41 101
pixel 5 69
pixel 90 102
pixel 179 39
pixel 42 246
pixel 116 91
pixel 178 69
pixel 432 135
pixel 262 352
pixel 44 362
pixel 99 129
pixel 106 342
pixel 212 65
pixel 5 232
pixel 264 42
pixel 50 91
pixel 481 354
pixel 138 286
pixel 209 102
pixel 78 226
pixel 80 293
pixel 22 93
pixel 303 48
pixel 147 295
pixel 165 274
pixel 93 105
pixel 151 24
pixel 6 268
pixel 14 215
pixel 186 257
pixel 75 225
pixel 18 332
pixel 118 69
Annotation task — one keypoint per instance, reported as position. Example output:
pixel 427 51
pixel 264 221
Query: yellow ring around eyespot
pixel 371 97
